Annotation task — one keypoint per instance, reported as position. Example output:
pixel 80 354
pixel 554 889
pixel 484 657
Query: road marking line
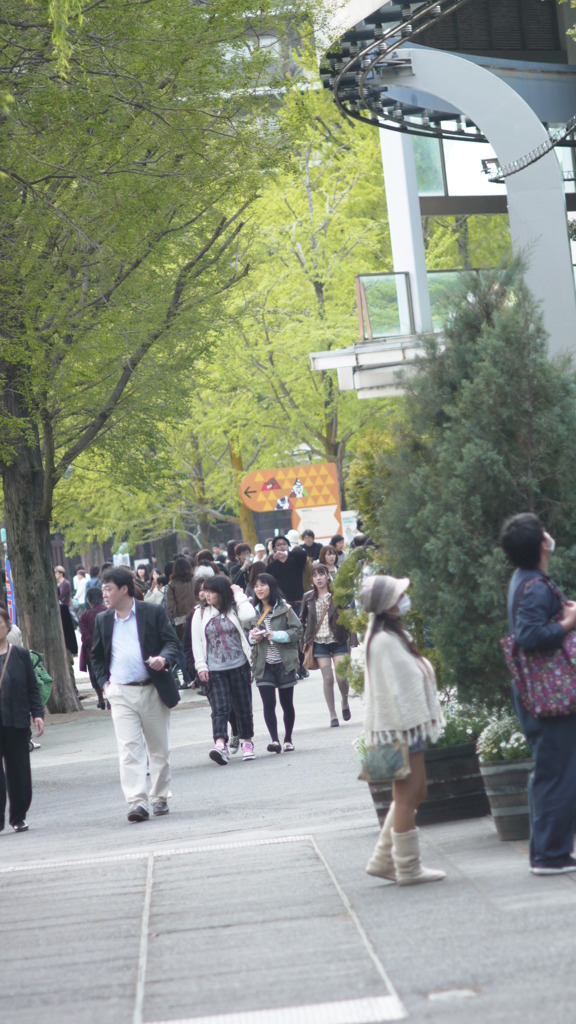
pixel 180 851
pixel 143 952
pixel 455 993
pixel 356 921
pixel 358 1011
pixel 354 1011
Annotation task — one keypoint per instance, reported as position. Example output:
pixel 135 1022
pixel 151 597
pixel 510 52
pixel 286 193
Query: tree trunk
pixel 200 490
pixel 30 554
pixel 463 240
pixel 246 517
pixel 164 548
pixel 340 472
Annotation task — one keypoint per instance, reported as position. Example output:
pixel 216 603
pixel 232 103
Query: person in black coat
pixel 19 702
pixel 133 652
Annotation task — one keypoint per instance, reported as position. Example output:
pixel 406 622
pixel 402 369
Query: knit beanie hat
pixel 380 593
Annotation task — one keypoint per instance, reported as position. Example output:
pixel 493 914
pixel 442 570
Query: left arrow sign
pixel 249 491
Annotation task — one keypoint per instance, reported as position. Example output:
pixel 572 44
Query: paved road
pixel 248 903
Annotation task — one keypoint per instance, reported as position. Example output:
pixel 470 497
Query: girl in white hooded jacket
pixel 222 659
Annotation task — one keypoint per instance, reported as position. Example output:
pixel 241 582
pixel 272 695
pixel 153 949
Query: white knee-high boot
pixel 406 857
pixel 381 864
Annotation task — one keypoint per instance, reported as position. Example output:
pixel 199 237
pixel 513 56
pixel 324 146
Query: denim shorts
pixel 329 650
pixel 276 675
pixel 415 748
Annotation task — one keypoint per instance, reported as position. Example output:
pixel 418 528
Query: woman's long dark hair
pixel 221 585
pixel 275 592
pixel 391 624
pixel 181 570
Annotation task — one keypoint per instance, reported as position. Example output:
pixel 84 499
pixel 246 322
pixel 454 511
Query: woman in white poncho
pixel 401 704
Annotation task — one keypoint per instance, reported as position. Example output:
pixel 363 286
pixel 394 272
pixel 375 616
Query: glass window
pixel 566 160
pixel 387 305
pixel 464 169
pixel 429 172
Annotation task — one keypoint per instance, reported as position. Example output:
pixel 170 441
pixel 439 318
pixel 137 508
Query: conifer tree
pixel 489 430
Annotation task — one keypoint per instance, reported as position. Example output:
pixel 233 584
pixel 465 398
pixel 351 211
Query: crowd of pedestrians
pixel 223 619
pixel 217 620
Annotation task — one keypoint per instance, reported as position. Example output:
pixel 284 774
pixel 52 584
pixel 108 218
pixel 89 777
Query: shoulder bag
pixel 309 661
pixel 545 680
pixel 5 666
pixel 386 762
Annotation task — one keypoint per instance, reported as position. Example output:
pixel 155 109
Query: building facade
pixel 473 100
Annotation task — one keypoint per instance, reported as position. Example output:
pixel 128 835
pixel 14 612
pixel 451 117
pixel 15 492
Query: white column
pixel 405 222
pixel 536 203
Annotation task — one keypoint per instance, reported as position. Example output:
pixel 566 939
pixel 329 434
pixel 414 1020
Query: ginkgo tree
pixel 254 400
pixel 125 183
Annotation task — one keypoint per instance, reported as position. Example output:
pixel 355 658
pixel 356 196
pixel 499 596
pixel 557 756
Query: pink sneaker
pixel 219 755
pixel 248 751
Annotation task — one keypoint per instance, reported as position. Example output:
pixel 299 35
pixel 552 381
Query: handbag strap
pixel 266 612
pixel 526 585
pixel 5 666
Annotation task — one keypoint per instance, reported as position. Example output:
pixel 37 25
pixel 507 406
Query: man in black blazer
pixel 133 649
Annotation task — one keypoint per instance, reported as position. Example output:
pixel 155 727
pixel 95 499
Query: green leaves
pixel 485 433
pixel 126 188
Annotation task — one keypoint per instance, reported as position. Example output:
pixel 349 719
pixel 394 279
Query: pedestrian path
pixel 248 903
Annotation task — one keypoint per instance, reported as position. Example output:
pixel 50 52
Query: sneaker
pixel 248 751
pixel 138 812
pixel 20 826
pixel 160 807
pixel 346 714
pixel 288 746
pixel 219 755
pixel 562 867
pixel 234 744
pixel 274 747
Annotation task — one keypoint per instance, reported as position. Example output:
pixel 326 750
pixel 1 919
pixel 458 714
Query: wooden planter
pixel 506 785
pixel 455 787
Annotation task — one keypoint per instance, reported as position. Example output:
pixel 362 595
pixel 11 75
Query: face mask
pixel 404 604
pixel 550 543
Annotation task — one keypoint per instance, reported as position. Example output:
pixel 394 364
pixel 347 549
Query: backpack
pixel 43 678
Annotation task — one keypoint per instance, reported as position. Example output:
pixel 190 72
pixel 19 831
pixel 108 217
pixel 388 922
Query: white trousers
pixel 142 727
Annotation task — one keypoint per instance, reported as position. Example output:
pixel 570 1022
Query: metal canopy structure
pixel 383 70
pixel 365 69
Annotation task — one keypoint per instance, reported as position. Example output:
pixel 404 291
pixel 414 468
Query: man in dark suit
pixel 133 649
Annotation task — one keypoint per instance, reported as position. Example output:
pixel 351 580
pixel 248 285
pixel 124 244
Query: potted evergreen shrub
pixel 505 765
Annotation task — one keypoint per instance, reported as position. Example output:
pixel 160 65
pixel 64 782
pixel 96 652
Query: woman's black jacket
pixel 20 697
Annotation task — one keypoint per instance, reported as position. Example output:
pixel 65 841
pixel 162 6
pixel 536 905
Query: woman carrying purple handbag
pixel 540 620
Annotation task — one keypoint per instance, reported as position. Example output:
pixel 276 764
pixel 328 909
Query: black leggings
pixel 286 695
pixel 15 776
